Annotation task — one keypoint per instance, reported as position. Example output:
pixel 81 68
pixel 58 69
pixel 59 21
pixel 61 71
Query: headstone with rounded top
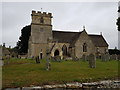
pixel 92 61
pixel 84 57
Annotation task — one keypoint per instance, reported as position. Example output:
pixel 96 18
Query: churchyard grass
pixel 25 72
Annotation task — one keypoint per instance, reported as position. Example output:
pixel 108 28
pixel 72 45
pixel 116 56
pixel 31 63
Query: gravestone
pixel 113 57
pixel 105 57
pixel 92 61
pixel 37 59
pixel 84 57
pixel 48 65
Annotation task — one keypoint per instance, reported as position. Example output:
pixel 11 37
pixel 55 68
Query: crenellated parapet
pixel 39 13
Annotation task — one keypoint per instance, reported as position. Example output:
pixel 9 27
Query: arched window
pixel 84 47
pixel 41 20
pixel 64 49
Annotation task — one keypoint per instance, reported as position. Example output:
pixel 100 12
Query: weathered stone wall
pixel 84 38
pixel 41 33
pixel 101 49
pixel 37 49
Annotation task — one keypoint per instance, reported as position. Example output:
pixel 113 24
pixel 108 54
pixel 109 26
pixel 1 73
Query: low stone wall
pixel 75 85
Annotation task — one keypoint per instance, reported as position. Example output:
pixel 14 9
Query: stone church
pixel 45 41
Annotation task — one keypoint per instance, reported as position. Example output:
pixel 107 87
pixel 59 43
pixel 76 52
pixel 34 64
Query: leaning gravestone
pixel 92 61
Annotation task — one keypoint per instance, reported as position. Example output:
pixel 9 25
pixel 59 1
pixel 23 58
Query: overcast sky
pixel 95 16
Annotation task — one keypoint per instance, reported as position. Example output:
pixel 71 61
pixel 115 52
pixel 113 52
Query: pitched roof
pixel 74 39
pixel 71 37
pixel 98 40
pixel 64 37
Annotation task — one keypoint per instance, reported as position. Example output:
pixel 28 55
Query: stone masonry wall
pixel 84 38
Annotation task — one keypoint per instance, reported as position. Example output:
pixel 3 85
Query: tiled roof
pixel 98 40
pixel 64 37
pixel 71 37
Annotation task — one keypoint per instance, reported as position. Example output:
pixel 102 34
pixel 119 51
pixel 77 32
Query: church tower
pixel 41 33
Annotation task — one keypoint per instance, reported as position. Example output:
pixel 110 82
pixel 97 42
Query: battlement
pixel 39 13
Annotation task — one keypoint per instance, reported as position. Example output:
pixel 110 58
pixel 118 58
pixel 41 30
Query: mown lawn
pixel 25 72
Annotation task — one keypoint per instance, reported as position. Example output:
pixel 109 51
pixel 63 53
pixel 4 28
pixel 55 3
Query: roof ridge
pixel 66 31
pixel 94 35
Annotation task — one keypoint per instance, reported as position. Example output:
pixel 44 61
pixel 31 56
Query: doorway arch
pixel 56 53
